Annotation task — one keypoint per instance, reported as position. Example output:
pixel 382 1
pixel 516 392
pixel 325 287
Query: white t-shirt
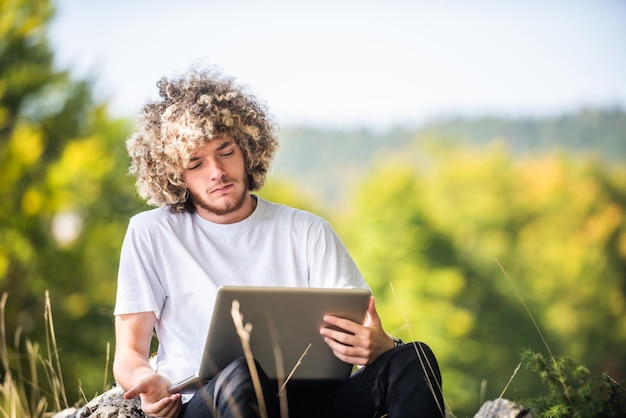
pixel 172 264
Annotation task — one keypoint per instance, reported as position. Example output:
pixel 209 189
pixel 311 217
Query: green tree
pixel 64 197
pixel 429 236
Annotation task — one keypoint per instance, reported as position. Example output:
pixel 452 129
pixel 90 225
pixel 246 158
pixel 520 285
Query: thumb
pixel 136 390
pixel 372 316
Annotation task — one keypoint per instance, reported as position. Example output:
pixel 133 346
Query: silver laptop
pixel 285 326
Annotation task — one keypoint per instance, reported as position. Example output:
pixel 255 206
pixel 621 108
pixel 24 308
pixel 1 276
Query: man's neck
pixel 244 211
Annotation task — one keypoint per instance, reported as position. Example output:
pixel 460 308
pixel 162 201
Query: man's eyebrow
pixel 220 148
pixel 225 144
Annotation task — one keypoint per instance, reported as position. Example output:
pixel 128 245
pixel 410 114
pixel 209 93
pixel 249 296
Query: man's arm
pixel 132 370
pixel 133 334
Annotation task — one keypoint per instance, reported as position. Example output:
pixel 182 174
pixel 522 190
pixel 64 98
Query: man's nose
pixel 215 170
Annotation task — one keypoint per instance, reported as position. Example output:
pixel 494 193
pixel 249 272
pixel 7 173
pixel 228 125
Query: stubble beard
pixel 220 210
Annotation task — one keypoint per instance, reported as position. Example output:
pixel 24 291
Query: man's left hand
pixel 358 344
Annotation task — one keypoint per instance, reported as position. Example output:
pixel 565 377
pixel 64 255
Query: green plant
pixel 572 391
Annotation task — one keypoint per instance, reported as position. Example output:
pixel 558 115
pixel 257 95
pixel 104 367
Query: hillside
pixel 327 162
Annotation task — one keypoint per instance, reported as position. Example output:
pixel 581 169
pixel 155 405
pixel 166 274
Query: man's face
pixel 217 181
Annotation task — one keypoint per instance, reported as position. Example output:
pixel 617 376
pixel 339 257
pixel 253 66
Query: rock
pixel 110 404
pixel 503 408
pixel 65 413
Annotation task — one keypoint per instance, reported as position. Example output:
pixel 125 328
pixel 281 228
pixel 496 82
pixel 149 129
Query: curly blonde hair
pixel 193 109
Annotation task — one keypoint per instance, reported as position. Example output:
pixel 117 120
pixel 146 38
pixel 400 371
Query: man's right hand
pixel 155 399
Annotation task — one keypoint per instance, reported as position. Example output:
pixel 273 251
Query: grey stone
pixel 110 404
pixel 503 408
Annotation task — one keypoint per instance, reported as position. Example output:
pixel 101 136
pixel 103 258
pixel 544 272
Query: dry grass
pixel 244 331
pixel 244 335
pixel 543 339
pixel 22 391
pixel 425 366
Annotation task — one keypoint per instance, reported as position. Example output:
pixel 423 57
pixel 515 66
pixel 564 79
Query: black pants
pixel 403 382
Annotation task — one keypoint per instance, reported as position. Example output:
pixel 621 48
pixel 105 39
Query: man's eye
pixel 193 166
pixel 226 154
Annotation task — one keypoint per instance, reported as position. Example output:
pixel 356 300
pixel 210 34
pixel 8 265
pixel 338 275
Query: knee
pixel 237 370
pixel 239 363
pixel 416 355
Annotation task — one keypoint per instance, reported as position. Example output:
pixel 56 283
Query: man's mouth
pixel 222 188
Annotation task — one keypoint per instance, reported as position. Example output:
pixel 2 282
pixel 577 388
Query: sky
pixel 357 63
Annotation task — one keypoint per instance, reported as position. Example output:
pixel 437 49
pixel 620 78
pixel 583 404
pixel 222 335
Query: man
pixel 200 151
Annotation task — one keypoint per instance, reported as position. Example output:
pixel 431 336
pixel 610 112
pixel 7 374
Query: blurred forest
pixel 448 221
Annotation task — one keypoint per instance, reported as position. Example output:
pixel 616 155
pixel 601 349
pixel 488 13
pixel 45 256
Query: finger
pixel 371 310
pixel 169 406
pixel 173 412
pixel 175 408
pixel 341 348
pixel 340 336
pixel 156 409
pixel 136 390
pixel 371 318
pixel 361 337
pixel 345 353
pixel 342 323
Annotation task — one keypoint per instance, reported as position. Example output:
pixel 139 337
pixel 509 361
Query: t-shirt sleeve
pixel 138 286
pixel 329 261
